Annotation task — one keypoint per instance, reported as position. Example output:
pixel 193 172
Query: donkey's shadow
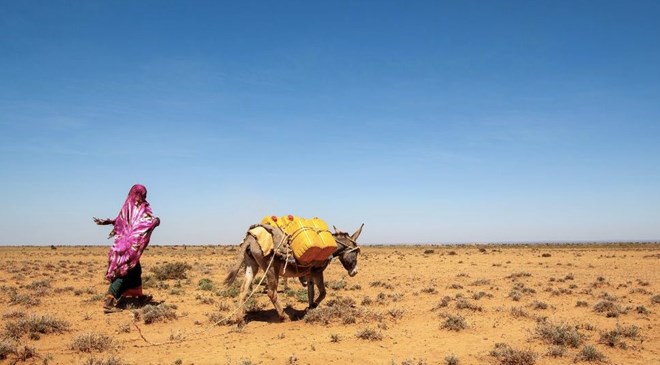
pixel 270 315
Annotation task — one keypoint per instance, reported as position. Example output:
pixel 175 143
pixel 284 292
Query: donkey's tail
pixel 240 261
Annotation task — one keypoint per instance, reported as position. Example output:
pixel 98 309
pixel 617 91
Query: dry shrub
pixel 24 353
pixel 539 305
pixel 451 360
pixel 480 282
pixel 369 334
pixel 443 302
pixel 23 299
pixel 7 348
pixel 518 312
pixel 559 334
pixel 336 284
pixel 515 295
pixel 205 284
pixel 396 313
pixel 34 324
pixel 522 274
pixel 13 315
pixel 454 323
pixel 464 304
pixel 615 337
pixel 335 309
pixel 556 351
pixel 155 313
pixel 590 353
pixel 110 360
pixel 171 270
pixel 610 308
pixel 90 342
pixel 429 290
pixel 233 290
pixel 655 299
pixel 506 355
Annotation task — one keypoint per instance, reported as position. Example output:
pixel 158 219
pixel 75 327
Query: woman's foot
pixel 110 305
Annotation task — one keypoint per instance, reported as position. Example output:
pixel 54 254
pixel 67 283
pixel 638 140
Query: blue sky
pixel 463 121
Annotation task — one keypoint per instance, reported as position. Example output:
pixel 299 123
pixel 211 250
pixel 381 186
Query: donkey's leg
pixel 310 292
pixel 251 268
pixel 273 277
pixel 318 280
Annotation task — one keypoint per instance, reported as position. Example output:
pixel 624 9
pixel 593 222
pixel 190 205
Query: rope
pixel 285 237
pixel 227 317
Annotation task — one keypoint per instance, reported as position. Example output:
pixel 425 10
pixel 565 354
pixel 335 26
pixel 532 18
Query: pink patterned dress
pixel 133 228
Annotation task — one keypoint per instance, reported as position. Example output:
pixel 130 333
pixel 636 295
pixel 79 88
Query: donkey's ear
pixel 335 228
pixel 355 235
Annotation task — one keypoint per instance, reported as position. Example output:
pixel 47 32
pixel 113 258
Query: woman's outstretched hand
pixel 103 222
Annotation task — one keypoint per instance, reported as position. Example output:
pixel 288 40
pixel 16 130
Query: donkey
pixel 251 256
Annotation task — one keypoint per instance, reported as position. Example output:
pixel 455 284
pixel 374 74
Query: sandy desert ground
pixel 473 304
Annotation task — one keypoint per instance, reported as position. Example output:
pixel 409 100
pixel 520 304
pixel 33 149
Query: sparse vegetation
pixel 559 334
pixel 110 360
pixel 454 323
pixel 539 305
pixel 7 348
pixel 335 309
pixel 655 299
pixel 205 284
pixel 232 291
pixel 391 296
pixel 590 353
pixel 464 304
pixel 90 342
pixel 25 352
pixel 34 324
pixel 506 355
pixel 556 351
pixel 369 334
pixel 451 359
pixel 171 270
pixel 155 313
pixel 518 312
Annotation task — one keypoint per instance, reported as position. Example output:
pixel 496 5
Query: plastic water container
pixel 310 238
pixel 328 244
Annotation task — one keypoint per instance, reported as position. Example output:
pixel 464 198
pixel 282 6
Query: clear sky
pixel 431 122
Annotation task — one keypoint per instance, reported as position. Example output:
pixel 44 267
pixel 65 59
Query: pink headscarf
pixel 133 227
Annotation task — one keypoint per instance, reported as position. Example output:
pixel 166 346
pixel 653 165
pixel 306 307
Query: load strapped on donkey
pixel 300 241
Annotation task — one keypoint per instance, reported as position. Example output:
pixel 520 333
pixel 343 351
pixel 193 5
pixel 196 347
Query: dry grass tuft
pixel 506 355
pixel 590 353
pixel 335 309
pixel 451 359
pixel 369 334
pixel 559 334
pixel 110 360
pixel 171 270
pixel 24 353
pixel 7 348
pixel 34 324
pixel 155 313
pixel 556 351
pixel 454 323
pixel 90 342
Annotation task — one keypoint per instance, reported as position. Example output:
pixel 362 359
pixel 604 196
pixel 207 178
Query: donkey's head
pixel 348 249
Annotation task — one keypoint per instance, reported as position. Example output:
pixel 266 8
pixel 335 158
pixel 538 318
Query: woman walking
pixel 132 230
